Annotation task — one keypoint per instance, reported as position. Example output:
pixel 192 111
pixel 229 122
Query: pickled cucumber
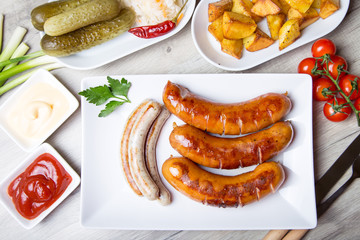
pixel 81 16
pixel 41 13
pixel 89 36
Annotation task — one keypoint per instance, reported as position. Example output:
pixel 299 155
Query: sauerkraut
pixel 150 12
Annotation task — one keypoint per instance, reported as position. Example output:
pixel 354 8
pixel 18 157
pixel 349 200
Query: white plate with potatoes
pixel 242 55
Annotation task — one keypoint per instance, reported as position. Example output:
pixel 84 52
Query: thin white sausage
pixel 137 140
pixel 124 146
pixel 150 155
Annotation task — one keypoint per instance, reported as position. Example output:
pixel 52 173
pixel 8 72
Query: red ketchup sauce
pixel 39 186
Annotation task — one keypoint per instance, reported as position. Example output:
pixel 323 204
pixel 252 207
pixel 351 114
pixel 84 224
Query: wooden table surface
pixel 178 55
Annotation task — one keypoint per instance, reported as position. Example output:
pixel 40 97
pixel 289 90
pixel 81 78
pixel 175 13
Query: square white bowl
pixel 6 201
pixel 40 76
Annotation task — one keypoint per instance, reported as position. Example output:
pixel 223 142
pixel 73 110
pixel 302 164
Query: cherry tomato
pixel 307 65
pixel 347 83
pixel 357 104
pixel 322 47
pixel 334 62
pixel 334 111
pixel 321 89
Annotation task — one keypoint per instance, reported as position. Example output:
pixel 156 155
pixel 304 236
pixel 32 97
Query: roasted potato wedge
pixel 295 14
pixel 275 22
pixel 310 17
pixel 305 19
pixel 288 33
pixel 328 7
pixel 300 5
pixel 257 41
pixel 284 6
pixel 316 4
pixel 237 26
pixel 263 8
pixel 215 28
pixel 232 47
pixel 244 7
pixel 217 9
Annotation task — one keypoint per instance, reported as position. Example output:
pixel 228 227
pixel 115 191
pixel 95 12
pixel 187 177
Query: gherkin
pixel 89 36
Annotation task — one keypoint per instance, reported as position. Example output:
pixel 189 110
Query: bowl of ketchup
pixel 37 186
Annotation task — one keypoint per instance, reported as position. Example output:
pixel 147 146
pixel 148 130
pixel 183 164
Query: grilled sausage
pixel 222 191
pixel 137 140
pixel 232 119
pixel 230 153
pixel 150 156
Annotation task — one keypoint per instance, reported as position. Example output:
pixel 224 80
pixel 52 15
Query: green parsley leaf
pixel 119 88
pixel 110 107
pixel 97 95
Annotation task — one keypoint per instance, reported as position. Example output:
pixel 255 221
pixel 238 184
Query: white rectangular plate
pixel 210 49
pixel 108 202
pixel 120 46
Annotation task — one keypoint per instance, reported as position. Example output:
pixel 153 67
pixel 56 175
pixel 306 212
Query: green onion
pixel 13 43
pixel 19 80
pixel 1 29
pixel 24 66
pixel 18 59
pixel 19 52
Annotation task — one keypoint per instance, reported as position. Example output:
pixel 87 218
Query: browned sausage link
pixel 222 191
pixel 124 147
pixel 232 119
pixel 230 153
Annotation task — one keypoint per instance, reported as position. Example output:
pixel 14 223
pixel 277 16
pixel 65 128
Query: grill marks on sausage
pixel 223 191
pixel 232 119
pixel 230 153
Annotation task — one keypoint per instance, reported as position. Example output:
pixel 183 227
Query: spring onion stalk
pixel 19 52
pixel 13 43
pixel 18 59
pixel 25 66
pixel 1 29
pixel 19 80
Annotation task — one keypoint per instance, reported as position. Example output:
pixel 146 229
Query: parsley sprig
pixel 117 90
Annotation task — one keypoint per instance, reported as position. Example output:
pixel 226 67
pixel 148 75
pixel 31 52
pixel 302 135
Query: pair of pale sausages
pixel 138 151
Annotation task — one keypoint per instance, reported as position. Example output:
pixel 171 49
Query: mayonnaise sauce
pixel 37 111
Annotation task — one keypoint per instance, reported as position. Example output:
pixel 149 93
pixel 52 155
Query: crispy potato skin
pixel 257 41
pixel 222 191
pixel 275 22
pixel 301 5
pixel 231 153
pixel 328 7
pixel 266 7
pixel 219 118
pixel 217 9
pixel 215 28
pixel 232 47
pixel 289 33
pixel 236 26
